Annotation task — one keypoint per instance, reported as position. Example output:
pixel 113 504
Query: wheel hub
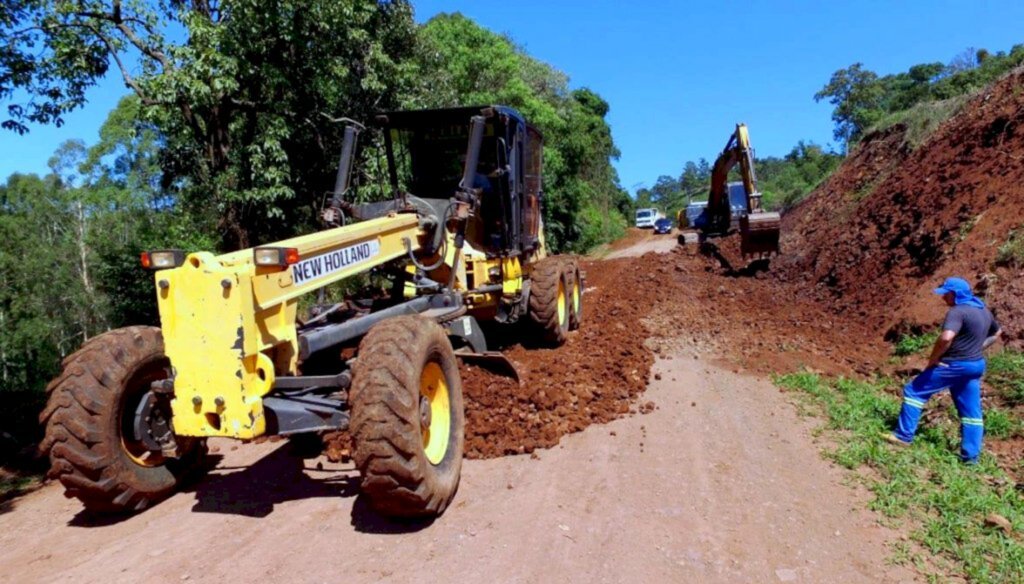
pixel 425 412
pixel 152 424
pixel 563 311
pixel 435 413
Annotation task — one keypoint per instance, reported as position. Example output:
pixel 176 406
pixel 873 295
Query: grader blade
pixel 493 361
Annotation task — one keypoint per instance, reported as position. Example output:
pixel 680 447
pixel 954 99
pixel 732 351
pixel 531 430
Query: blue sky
pixel 679 75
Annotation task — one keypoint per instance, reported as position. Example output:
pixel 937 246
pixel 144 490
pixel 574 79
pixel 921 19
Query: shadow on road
pixel 749 271
pixel 253 491
pixel 286 474
pixel 366 520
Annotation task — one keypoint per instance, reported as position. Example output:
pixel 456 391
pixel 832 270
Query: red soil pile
pixel 895 220
pixel 714 310
pixel 593 378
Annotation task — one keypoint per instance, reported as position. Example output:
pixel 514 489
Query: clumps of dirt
pixel 893 221
pixel 734 311
pixel 593 378
pixel 716 304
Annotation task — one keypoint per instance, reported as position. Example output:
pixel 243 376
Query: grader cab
pixel 460 237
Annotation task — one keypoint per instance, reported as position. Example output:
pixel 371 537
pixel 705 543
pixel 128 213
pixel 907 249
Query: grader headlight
pixel 162 259
pixel 275 256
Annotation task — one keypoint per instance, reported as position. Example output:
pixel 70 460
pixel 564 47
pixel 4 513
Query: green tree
pixel 644 198
pixel 241 103
pixel 857 97
pixel 665 191
pixel 694 182
pixel 862 100
pixel 786 181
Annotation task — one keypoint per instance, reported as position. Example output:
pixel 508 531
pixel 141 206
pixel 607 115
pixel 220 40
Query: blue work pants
pixel 963 378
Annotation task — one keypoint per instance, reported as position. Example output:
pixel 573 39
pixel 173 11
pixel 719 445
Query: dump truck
pixel 460 236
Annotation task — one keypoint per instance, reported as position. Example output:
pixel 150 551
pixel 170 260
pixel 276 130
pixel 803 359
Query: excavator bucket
pixel 759 233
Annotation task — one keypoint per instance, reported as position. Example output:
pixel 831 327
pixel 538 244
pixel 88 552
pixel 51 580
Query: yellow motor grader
pixel 461 238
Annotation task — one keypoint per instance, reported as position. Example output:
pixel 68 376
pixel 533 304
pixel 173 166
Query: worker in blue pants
pixel 957 362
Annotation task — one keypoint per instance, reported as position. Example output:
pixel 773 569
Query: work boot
pixel 892 439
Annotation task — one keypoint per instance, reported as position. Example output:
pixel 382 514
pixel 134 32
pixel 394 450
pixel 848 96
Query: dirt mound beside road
pixel 894 220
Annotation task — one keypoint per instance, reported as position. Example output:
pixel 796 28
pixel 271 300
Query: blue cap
pixel 957 286
pixel 961 292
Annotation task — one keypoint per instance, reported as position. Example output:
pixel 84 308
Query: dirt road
pixel 651 243
pixel 721 482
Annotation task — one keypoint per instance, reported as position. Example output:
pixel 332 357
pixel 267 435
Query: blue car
pixel 663 225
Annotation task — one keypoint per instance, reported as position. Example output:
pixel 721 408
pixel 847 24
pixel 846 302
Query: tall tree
pixel 643 198
pixel 857 98
pixel 242 101
pixel 665 192
pixel 695 179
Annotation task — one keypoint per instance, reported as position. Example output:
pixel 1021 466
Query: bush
pixel 914 344
pixel 922 119
pixel 597 227
pixel 1011 253
pixel 1001 424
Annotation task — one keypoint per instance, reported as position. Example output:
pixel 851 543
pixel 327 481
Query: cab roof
pixel 430 117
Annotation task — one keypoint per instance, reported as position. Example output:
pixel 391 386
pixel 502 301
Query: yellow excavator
pixel 461 239
pixel 736 206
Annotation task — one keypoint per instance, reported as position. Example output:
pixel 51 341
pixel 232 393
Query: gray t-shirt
pixel 972 326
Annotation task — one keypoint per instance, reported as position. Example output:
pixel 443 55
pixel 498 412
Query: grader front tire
pixel 407 421
pixel 88 416
pixel 549 301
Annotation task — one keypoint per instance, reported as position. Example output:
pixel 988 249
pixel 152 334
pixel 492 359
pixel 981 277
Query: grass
pixel 922 119
pixel 966 227
pixel 1005 373
pixel 12 485
pixel 1011 253
pixel 925 487
pixel 913 344
pixel 1001 424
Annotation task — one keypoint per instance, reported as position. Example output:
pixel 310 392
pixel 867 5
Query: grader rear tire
pixel 549 301
pixel 88 420
pixel 407 420
pixel 573 276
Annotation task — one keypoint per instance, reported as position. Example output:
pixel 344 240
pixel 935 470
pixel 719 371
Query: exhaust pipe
pixel 476 138
pixel 348 149
pixel 466 196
